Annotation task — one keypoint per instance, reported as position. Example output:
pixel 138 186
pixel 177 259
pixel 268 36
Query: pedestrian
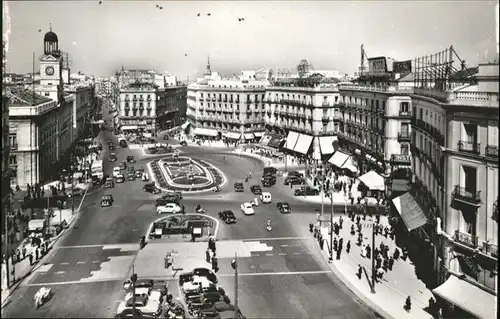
pixel 375 253
pixel 30 256
pixel 18 255
pixel 386 231
pixel 360 239
pixel 207 255
pixel 47 244
pixel 335 244
pixel 408 304
pixel 360 271
pixel 391 263
pixel 363 251
pixel 352 230
pixel 432 305
pixel 24 252
pixel 321 244
pixel 348 246
pixel 36 253
pixel 358 219
pixel 311 227
pixel 439 313
pixel 377 219
pixel 368 252
pixel 338 254
pixel 341 243
pixel 380 273
pixel 405 254
pixel 379 262
pixel 385 264
pixel 320 238
pixel 341 221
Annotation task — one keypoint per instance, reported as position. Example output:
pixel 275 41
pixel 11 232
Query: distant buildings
pixel 45 122
pixel 149 103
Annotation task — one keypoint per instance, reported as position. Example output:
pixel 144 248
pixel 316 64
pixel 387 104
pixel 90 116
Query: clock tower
pixel 51 81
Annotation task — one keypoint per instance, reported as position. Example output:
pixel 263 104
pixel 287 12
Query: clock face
pixel 49 70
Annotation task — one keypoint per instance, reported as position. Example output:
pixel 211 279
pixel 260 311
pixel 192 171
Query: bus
pixel 97 169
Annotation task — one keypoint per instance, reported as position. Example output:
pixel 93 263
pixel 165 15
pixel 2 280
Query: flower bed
pixel 155 167
pixel 158 150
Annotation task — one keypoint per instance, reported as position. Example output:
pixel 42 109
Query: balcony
pixel 467 197
pixel 219 99
pixel 326 104
pixel 404 137
pixel 127 99
pixel 325 118
pixel 492 151
pixel 134 99
pixel 490 249
pixel 465 239
pixel 13 147
pixel 401 159
pixel 404 113
pixel 201 99
pixel 464 146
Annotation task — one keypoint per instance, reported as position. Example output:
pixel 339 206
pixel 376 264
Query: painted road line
pixel 79 246
pixel 96 261
pixel 60 272
pixel 83 281
pixel 269 254
pixel 278 238
pixel 282 254
pixel 64 264
pixel 296 253
pixel 284 245
pixel 295 273
pixel 80 262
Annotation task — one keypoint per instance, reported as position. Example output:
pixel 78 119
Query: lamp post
pixel 72 189
pixel 331 229
pixel 234 264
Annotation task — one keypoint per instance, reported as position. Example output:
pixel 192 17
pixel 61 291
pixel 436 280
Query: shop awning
pixel 303 144
pixel 36 224
pixel 291 140
pixel 370 158
pixel 249 136
pixel 326 144
pixel 185 125
pixel 130 127
pixel 338 159
pixel 373 181
pixel 470 298
pixel 233 135
pixel 258 134
pixel 349 166
pixel 265 139
pixel 205 132
pixel 413 216
pixel 275 141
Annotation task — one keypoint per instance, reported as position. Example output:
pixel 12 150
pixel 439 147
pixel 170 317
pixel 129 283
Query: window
pixel 13 141
pixel 470 131
pixel 421 117
pixel 404 107
pixel 46 94
pixel 420 143
pixel 404 129
pixel 469 179
pixel 148 112
pixel 13 160
pixel 13 176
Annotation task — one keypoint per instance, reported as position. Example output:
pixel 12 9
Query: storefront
pixel 248 137
pixel 338 159
pixel 303 144
pixel 205 133
pixel 372 184
pixel 291 140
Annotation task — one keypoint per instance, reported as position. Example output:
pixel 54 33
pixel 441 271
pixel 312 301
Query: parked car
pixel 107 200
pixel 294 180
pixel 111 147
pixel 151 188
pixel 120 178
pixel 306 191
pixel 256 190
pixel 133 313
pixel 175 194
pixel 123 165
pixel 165 137
pixel 205 272
pixel 131 176
pixel 143 303
pixel 227 216
pixel 138 174
pixel 238 187
pixel 247 209
pixel 270 169
pixel 109 183
pixel 295 173
pixel 184 143
pixel 123 143
pixel 284 207
pixel 169 208
pixel 112 157
pixel 76 192
pixel 116 171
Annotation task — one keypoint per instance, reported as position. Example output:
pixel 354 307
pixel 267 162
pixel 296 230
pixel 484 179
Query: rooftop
pixel 27 98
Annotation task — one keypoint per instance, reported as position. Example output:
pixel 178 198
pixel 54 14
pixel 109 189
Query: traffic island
pixel 183 228
pixel 180 173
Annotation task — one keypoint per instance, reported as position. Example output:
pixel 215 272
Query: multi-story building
pixel 43 124
pixel 229 108
pixel 5 192
pixel 306 113
pixel 437 142
pixel 171 106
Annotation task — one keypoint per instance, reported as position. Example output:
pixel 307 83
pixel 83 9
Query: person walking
pixel 348 246
pixel 335 243
pixel 30 256
pixel 207 255
pixel 359 272
pixel 408 304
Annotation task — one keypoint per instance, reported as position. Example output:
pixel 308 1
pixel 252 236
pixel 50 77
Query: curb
pixel 52 243
pixel 372 305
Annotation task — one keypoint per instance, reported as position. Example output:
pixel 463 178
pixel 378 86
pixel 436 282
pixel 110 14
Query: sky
pixel 100 38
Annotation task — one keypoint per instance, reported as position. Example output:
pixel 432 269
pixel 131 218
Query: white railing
pixel 32 110
pixel 376 88
pixel 485 99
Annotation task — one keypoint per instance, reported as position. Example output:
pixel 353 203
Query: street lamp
pixel 72 167
pixel 234 265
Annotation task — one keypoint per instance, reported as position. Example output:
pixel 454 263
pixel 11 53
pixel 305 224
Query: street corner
pixel 182 228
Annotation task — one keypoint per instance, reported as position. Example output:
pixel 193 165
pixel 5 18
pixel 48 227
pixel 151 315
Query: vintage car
pixel 256 190
pixel 123 165
pixel 284 207
pixel 107 200
pixel 138 174
pixel 120 178
pixel 247 209
pixel 238 187
pixel 112 157
pixel 169 208
pixel 130 159
pixel 131 176
pixel 109 183
pixel 151 188
pixel 227 216
pixel 306 191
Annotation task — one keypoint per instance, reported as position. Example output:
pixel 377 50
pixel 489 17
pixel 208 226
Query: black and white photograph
pixel 250 159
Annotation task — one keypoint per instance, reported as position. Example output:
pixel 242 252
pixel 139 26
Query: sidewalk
pixel 397 284
pixel 274 162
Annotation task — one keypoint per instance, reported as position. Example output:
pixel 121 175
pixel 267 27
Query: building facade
pixel 6 172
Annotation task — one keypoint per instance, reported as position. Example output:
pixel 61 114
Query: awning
pixel 350 167
pixel 232 135
pixel 370 158
pixel 338 159
pixel 373 181
pixel 357 151
pixel 36 224
pixel 291 140
pixel 265 139
pixel 258 134
pixel 130 127
pixel 205 131
pixel 303 144
pixel 275 141
pixel 399 185
pixel 185 125
pixel 326 144
pixel 413 216
pixel 470 298
pixel 249 136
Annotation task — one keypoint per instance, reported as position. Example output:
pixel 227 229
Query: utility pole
pixel 133 279
pixel 234 264
pixel 7 268
pixel 331 230
pixel 373 259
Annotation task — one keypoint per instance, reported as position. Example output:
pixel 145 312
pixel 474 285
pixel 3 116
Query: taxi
pixel 120 178
pixel 109 183
pixel 107 200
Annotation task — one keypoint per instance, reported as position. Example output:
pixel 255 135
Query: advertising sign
pixel 402 67
pixel 377 66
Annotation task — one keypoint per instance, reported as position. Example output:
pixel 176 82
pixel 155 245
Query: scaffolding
pixel 441 71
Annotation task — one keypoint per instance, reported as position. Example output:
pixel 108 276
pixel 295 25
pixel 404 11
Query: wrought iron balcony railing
pixel 469 197
pixel 404 136
pixel 492 151
pixel 465 239
pixel 464 146
pixel 401 158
